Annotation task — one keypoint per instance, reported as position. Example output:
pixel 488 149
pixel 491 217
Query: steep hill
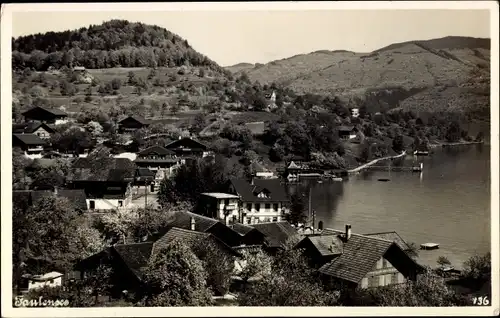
pixel 454 68
pixel 116 43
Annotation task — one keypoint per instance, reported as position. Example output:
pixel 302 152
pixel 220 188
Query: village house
pixel 355 112
pixel 158 159
pixel 263 200
pixel 128 261
pixel 133 123
pixel 107 184
pixel 26 198
pixel 260 172
pixel 222 206
pixel 32 282
pixel 347 132
pixel 30 144
pixel 277 235
pixel 199 223
pixel 250 236
pixel 144 180
pixel 355 260
pixel 37 128
pixel 45 115
pixel 187 148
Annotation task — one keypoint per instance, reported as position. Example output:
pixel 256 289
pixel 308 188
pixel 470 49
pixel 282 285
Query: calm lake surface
pixel 448 203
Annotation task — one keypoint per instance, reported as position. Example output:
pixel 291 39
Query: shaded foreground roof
pixel 242 229
pixel 182 220
pixel 276 233
pixel 29 139
pixel 327 244
pixel 359 256
pixel 393 237
pixel 136 256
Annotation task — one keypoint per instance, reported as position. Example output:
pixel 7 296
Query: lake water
pixel 448 203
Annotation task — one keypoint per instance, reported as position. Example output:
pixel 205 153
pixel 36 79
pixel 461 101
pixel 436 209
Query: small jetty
pixel 429 246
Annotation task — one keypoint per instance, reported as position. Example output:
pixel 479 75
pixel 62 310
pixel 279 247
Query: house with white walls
pixel 107 183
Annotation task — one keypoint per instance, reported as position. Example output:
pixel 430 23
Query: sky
pixel 231 37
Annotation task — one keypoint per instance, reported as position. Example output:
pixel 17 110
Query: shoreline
pixel 453 144
pixel 368 164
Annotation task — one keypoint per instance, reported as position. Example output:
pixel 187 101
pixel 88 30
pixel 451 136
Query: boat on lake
pixel 384 180
pixel 421 153
pixel 429 246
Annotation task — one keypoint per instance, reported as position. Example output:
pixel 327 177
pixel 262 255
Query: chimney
pixel 193 224
pixel 347 231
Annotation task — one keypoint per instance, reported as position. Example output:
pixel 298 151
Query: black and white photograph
pixel 258 155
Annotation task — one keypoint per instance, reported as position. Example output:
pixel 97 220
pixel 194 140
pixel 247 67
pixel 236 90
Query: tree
pixel 116 83
pixel 297 208
pixel 443 261
pixel 176 277
pixel 398 143
pixel 67 88
pixel 454 132
pixel 95 129
pixel 174 109
pixel 218 264
pixel 478 268
pixel 131 78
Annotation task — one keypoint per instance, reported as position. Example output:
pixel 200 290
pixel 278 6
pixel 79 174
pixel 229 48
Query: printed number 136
pixel 481 301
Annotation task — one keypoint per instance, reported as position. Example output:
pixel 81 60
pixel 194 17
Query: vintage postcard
pixel 250 159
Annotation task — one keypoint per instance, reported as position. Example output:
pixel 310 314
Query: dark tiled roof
pixel 183 220
pixel 139 119
pixel 29 139
pixel 248 192
pixel 326 244
pixel 53 111
pixel 156 150
pixel 242 229
pixel 276 233
pixel 391 236
pixel 194 144
pixel 29 127
pixel 360 254
pixel 136 256
pixel 144 173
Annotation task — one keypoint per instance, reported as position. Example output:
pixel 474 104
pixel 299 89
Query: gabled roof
pixel 276 233
pixel 359 256
pixel 30 127
pixel 249 192
pixel 326 245
pixel 391 236
pixel 136 256
pixel 182 220
pixel 29 139
pixel 53 111
pixel 138 119
pixel 144 173
pixel 293 165
pixel 194 144
pixel 242 229
pixel 156 150
pixel 190 238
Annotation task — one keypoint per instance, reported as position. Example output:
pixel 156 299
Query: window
pixel 275 207
pixel 268 206
pixel 120 204
pixel 373 281
pixel 275 219
pixel 51 281
pixel 257 207
pixel 92 204
pixel 249 220
pixel 249 206
pixel 394 278
pixel 226 202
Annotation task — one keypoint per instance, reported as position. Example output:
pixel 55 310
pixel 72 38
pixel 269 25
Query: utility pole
pixel 310 195
pixel 146 194
pixel 314 222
